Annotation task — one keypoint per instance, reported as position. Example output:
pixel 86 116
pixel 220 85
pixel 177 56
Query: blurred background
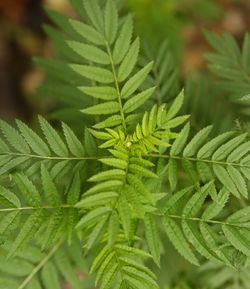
pixel 181 22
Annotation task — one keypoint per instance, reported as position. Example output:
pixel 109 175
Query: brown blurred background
pixel 21 37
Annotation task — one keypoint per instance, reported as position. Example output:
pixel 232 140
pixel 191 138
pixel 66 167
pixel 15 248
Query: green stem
pixel 146 155
pixel 198 160
pixel 48 157
pixel 64 206
pixel 200 220
pixel 116 86
pixel 40 265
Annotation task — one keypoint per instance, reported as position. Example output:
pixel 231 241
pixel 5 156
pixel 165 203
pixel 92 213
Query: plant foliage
pixel 139 172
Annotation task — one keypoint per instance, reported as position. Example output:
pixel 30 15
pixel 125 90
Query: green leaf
pixel 135 81
pixel 96 234
pixel 208 149
pixel 173 201
pixel 74 190
pixel 50 277
pixel 104 268
pixel 113 228
pixel 89 52
pixel 141 162
pixel 196 239
pixel 3 147
pixel 49 187
pixel 180 141
pixel 131 263
pixel 137 208
pixel 129 61
pixel 109 277
pixel 123 41
pixel 138 100
pixel 52 228
pixel 132 251
pixel 190 169
pixel 117 163
pixel 74 145
pixel 33 140
pixel 239 152
pixel 136 169
pixel 9 222
pixel 106 175
pixel 174 122
pixel 92 216
pixel 66 269
pixel 204 171
pixel 140 187
pixel 119 153
pixel 53 138
pixel 7 198
pixel 237 239
pixel 216 207
pixel 111 21
pixel 173 173
pixel 109 122
pixel 176 105
pixel 223 176
pixel 193 146
pixel 104 187
pixel 88 32
pixel 96 200
pixel 14 138
pixel 29 191
pixel 100 134
pixel 94 13
pixel 152 237
pixel 100 92
pixel 99 259
pixel 238 180
pixel 11 164
pixel 108 144
pixel 223 151
pixel 194 204
pixel 125 215
pixel 27 232
pixel 140 276
pixel 152 120
pixel 102 108
pixel 16 267
pixel 179 241
pixel 90 144
pixel 34 284
pixel 94 73
pixel 135 283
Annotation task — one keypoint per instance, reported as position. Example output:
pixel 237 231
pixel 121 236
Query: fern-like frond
pixel 186 222
pixel 101 55
pixel 152 134
pixel 111 207
pixel 224 158
pixel 24 149
pixel 121 268
pixel 44 216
